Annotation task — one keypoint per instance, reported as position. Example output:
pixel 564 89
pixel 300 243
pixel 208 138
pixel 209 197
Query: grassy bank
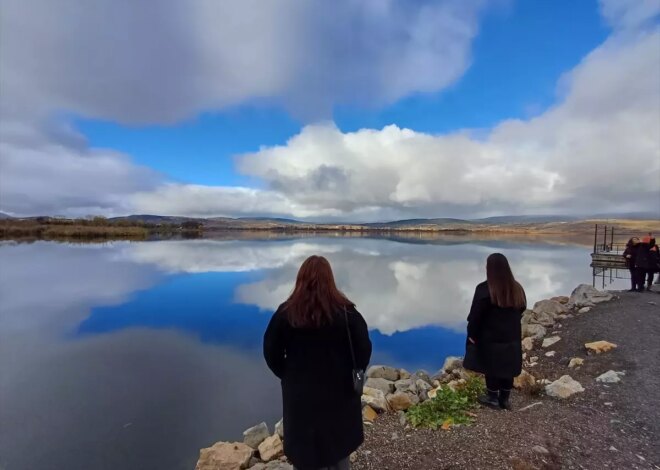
pixel 87 230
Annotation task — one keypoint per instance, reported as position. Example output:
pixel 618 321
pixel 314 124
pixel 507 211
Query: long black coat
pixel 632 251
pixel 496 332
pixel 322 412
pixel 646 259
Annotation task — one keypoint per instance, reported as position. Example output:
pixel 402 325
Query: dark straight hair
pixel 315 299
pixel 505 291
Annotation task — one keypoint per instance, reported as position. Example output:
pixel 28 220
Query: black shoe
pixel 632 290
pixel 489 400
pixel 504 400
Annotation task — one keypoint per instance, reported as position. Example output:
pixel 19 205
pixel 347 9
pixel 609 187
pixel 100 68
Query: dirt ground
pixel 613 426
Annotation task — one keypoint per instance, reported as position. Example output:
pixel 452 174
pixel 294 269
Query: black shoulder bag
pixel 357 374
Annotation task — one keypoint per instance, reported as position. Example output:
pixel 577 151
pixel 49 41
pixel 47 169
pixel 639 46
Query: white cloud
pixel 141 62
pixel 596 150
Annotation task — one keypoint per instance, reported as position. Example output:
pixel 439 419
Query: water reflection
pixel 134 355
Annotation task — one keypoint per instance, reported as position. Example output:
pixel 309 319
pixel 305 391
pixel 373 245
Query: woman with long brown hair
pixel 313 342
pixel 494 327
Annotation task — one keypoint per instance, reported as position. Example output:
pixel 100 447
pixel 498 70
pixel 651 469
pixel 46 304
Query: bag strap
pixel 350 341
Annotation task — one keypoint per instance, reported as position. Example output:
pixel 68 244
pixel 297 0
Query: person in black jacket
pixel 494 327
pixel 645 262
pixel 307 346
pixel 636 274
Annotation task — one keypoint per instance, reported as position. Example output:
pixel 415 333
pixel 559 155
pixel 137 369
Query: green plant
pixel 448 407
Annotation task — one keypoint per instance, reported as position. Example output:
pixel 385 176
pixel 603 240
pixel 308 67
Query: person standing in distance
pixel 307 345
pixel 494 327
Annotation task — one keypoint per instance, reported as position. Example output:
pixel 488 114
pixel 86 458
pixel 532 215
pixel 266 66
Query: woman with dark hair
pixel 313 343
pixel 494 327
pixel 636 274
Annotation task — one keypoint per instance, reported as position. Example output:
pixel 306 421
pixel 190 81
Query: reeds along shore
pixel 82 230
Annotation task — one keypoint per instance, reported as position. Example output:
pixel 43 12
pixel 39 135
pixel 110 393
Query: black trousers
pixel 649 278
pixel 637 276
pixel 496 384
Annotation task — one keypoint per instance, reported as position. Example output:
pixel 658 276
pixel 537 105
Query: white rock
pixel 271 449
pixel 452 362
pixel 547 342
pixel 533 331
pixel 256 435
pixel 585 295
pixel 540 450
pixel 224 455
pixel 385 386
pixel 610 377
pixel 374 398
pixel 550 353
pixel 534 359
pixel 383 372
pixel 563 387
pixel 575 362
pixel 279 428
pixel 584 310
pixel 528 344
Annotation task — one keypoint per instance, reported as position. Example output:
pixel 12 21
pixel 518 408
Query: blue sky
pixel 519 55
pixel 359 111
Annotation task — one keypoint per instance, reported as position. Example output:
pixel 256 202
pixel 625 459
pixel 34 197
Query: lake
pixel 134 355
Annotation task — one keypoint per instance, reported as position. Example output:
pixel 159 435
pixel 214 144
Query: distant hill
pixel 5 216
pixel 409 222
pixel 526 219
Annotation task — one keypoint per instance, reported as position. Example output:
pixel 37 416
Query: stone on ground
pixel 374 398
pixel 423 389
pixel 400 401
pixel 274 465
pixel 600 346
pixel 279 428
pixel 563 387
pixel 540 450
pixel 584 310
pixel 256 435
pixel 224 456
pixel 422 374
pixel 385 386
pixel 407 385
pixel 368 414
pixel 525 379
pixel 562 299
pixel 585 295
pixel 550 354
pixel 534 331
pixel 383 372
pixel 452 362
pixel 610 377
pixel 528 344
pixel 404 374
pixel 547 342
pixel 271 448
pixel 575 362
pixel 550 307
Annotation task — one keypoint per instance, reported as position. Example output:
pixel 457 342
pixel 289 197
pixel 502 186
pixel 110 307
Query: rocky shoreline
pixel 390 392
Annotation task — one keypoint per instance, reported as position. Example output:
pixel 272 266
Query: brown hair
pixel 315 298
pixel 504 289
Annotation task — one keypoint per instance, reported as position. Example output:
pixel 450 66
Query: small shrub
pixel 448 407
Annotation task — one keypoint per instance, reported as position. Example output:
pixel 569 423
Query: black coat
pixel 632 251
pixel 645 258
pixel 496 332
pixel 322 412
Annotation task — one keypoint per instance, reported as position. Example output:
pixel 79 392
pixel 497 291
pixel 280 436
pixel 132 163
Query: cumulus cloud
pixel 145 62
pixel 597 149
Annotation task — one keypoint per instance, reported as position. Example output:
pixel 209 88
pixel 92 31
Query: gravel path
pixel 613 426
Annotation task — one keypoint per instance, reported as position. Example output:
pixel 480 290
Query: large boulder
pixel 401 401
pixel 563 387
pixel 369 414
pixel 407 385
pixel 383 385
pixel 550 307
pixel 271 448
pixel 383 372
pixel 225 456
pixel 585 295
pixel 374 398
pixel 533 331
pixel 422 374
pixel 256 435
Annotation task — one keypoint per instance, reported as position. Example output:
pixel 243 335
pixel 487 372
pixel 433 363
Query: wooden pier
pixel 607 253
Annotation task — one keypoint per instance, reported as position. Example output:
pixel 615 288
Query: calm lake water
pixel 135 355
